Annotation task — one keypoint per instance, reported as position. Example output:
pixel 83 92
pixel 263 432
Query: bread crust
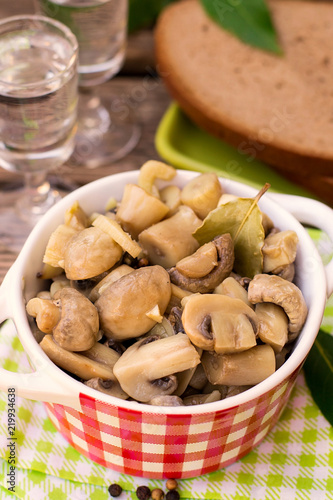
pixel 308 151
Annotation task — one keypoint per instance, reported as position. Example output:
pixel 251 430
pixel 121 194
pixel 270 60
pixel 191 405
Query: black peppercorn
pixel 115 490
pixel 172 495
pixel 143 493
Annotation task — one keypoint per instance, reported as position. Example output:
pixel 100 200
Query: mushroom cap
pixel 225 252
pixel 124 305
pixel 220 323
pixel 270 288
pixel 78 327
pixel 89 253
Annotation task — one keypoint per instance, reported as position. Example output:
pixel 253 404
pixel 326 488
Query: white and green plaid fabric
pixel 294 462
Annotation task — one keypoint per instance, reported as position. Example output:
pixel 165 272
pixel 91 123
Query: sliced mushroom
pixel 89 253
pixel 124 305
pixel 279 250
pixel 110 278
pixel 268 288
pixel 110 386
pixel 243 368
pixel 139 209
pixel 231 287
pixel 166 400
pixel 79 365
pixel 78 327
pixel 273 325
pixel 202 193
pixel 207 283
pixel 56 246
pixel 220 323
pixel 147 368
pixel 200 263
pixel 170 240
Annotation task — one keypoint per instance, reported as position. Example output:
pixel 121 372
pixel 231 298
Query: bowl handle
pixel 311 212
pixel 42 384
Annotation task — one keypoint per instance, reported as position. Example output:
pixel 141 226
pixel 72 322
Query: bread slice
pixel 275 108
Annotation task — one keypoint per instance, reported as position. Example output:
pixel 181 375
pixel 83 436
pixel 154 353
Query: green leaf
pixel 249 20
pixel 318 370
pixel 143 13
pixel 242 219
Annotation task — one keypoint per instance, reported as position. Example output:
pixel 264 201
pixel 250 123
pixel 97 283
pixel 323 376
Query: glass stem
pixel 37 187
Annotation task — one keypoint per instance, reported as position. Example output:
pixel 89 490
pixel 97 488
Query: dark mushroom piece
pixel 207 282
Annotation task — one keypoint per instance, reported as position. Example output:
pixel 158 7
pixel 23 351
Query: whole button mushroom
pixel 125 307
pixel 89 253
pixel 71 317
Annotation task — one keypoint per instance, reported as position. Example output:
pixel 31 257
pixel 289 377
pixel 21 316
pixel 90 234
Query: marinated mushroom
pixel 75 363
pixel 249 367
pixel 283 293
pixel 200 399
pixel 147 368
pixel 109 386
pixel 273 325
pixel 55 249
pixel 231 287
pixel 220 323
pixel 166 400
pixel 78 328
pixel 202 194
pixel 110 278
pixel 170 240
pixel 279 250
pixel 72 318
pixel 200 263
pixel 89 253
pixel 124 305
pixel 139 210
pixel 208 282
pixel 47 314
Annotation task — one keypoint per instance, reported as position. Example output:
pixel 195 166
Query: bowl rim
pixel 282 374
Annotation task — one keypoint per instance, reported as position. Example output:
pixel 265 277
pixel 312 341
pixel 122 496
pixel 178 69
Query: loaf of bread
pixel 275 108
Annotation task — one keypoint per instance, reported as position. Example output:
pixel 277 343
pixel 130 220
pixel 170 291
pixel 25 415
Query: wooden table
pixel 138 87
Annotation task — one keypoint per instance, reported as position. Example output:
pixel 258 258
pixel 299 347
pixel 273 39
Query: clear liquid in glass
pixel 100 27
pixel 38 100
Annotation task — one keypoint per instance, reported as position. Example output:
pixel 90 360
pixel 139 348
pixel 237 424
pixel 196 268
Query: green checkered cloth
pixel 295 461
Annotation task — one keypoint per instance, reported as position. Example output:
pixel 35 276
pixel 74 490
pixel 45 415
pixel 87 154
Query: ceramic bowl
pixel 162 442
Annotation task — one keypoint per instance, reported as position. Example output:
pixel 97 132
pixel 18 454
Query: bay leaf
pixel 249 20
pixel 318 371
pixel 242 219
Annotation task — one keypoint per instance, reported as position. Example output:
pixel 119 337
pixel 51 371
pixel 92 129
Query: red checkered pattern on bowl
pixel 161 446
